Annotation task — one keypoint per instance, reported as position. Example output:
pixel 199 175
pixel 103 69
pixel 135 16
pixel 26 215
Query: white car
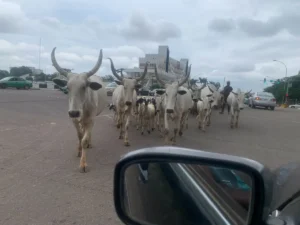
pixel 296 106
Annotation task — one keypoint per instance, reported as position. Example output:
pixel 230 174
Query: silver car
pixel 262 99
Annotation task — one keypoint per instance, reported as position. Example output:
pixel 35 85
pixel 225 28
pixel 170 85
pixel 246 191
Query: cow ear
pixel 211 101
pixel 119 82
pixel 94 85
pixel 60 82
pixel 181 92
pixel 209 95
pixel 160 92
pixel 138 86
pixel 200 99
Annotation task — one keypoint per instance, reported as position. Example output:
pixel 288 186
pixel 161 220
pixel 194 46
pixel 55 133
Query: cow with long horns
pixel 177 103
pixel 124 99
pixel 87 99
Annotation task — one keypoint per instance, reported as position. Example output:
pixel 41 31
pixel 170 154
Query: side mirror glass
pixel 159 191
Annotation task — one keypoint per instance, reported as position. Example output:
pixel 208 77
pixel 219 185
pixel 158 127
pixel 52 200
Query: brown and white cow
pixel 87 99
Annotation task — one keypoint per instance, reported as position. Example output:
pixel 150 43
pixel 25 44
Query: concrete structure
pixel 35 71
pixel 174 68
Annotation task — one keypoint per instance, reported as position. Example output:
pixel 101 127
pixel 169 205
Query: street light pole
pixel 286 90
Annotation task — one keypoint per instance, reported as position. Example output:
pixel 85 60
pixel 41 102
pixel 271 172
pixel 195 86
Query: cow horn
pixel 55 64
pixel 157 77
pixel 121 71
pixel 210 89
pixel 97 66
pixel 113 70
pixel 186 77
pixel 249 92
pixel 144 74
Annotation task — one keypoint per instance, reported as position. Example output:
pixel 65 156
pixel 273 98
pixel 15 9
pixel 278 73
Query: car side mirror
pixel 171 185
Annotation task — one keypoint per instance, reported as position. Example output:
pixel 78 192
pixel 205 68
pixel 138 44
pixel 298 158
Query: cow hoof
pixel 89 146
pixel 126 143
pixel 118 126
pixel 120 137
pixel 83 169
pixel 153 129
pixel 79 154
pixel 142 133
pixel 231 126
pixel 148 131
pixel 180 133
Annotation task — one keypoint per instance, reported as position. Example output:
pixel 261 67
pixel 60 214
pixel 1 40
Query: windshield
pixel 265 94
pixel 65 122
pixel 6 78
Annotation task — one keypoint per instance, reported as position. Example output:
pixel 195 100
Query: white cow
pixel 146 114
pixel 160 110
pixel 87 99
pixel 207 91
pixel 124 99
pixel 203 106
pixel 235 103
pixel 176 103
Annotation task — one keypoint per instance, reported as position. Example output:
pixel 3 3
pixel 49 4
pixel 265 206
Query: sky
pixel 235 39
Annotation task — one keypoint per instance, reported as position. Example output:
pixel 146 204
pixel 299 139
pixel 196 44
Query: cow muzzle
pixel 241 108
pixel 74 114
pixel 170 110
pixel 128 103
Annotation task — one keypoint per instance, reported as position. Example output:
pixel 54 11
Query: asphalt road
pixel 40 183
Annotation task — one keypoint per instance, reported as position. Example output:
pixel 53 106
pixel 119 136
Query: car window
pixel 112 85
pixel 264 94
pixel 20 79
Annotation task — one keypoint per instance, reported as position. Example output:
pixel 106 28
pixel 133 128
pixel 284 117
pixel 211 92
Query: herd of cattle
pixel 170 107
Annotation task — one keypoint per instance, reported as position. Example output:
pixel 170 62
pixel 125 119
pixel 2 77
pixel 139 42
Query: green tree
pixel 108 78
pixel 3 73
pixel 19 71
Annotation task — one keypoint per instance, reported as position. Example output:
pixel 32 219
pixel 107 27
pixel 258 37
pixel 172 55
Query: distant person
pixel 226 91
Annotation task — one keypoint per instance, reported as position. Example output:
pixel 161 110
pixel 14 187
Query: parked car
pixel 295 106
pixel 262 99
pixel 110 88
pixel 144 92
pixel 246 101
pixel 15 82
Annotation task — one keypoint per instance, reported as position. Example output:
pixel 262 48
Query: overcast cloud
pixel 236 39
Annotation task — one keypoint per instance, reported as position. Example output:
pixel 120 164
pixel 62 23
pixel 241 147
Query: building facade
pixel 173 69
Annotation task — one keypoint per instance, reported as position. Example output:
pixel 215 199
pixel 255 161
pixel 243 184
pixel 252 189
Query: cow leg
pixel 90 136
pixel 177 125
pixel 208 118
pixel 237 119
pixel 149 122
pixel 166 133
pixel 88 125
pixel 79 134
pixel 232 117
pixel 121 118
pixel 181 124
pixel 127 117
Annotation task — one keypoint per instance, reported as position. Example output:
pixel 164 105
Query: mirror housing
pixel 261 176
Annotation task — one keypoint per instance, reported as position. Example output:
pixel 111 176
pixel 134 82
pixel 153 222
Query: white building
pixel 175 68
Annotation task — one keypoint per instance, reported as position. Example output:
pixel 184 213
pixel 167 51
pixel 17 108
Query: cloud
pixel 221 38
pixel 221 25
pixel 142 28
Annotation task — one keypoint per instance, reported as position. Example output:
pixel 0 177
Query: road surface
pixel 40 183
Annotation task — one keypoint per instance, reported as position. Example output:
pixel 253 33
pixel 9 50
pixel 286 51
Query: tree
pixel 19 71
pixel 108 78
pixel 3 73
